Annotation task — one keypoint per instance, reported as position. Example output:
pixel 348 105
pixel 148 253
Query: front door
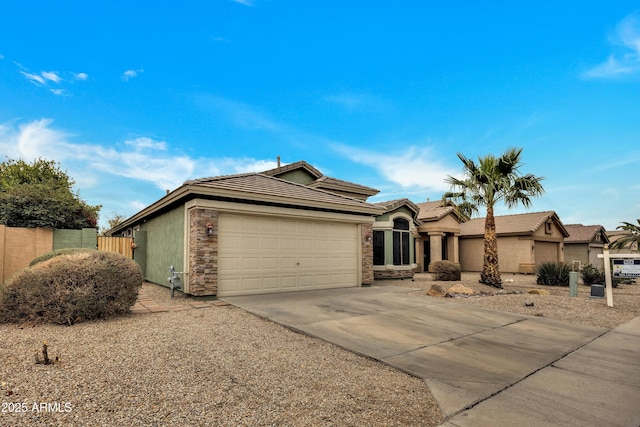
pixel 426 255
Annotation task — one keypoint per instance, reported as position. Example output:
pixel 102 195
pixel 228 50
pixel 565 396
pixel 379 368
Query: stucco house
pixel 524 241
pixel 584 244
pixel 286 229
pixel 439 231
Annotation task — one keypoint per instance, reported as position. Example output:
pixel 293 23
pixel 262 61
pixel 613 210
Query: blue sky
pixel 133 98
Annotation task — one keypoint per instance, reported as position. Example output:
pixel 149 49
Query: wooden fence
pixel 120 245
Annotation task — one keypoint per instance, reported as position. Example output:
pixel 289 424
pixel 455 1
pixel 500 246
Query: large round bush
pixel 71 288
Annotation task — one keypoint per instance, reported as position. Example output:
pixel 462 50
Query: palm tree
pixel 486 183
pixel 631 238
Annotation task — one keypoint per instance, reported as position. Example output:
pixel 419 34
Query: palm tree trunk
pixel 490 270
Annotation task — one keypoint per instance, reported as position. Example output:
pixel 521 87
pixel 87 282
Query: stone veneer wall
pixel 394 274
pixel 367 254
pixel 203 252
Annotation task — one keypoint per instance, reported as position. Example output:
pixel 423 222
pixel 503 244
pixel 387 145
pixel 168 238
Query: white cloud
pixel 144 142
pixel 627 60
pixel 51 76
pixel 143 158
pixel 46 78
pixel 417 168
pixel 33 78
pixel 130 74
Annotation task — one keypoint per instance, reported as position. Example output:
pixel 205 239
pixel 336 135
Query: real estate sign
pixel 626 267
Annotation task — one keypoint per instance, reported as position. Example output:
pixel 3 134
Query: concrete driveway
pixel 477 363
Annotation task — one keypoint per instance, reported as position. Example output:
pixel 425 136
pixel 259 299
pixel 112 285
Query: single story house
pixel 584 244
pixel 524 242
pixel 286 229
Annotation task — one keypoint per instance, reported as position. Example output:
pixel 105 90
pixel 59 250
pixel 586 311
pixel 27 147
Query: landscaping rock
pixel 460 290
pixel 538 292
pixel 436 291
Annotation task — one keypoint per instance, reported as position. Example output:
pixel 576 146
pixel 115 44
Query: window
pixel 547 229
pixel 378 247
pixel 401 252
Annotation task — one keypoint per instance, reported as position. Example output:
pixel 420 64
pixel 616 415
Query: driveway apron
pixel 464 354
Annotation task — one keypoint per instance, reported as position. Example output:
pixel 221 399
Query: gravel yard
pixel 581 310
pixel 198 367
pixel 223 366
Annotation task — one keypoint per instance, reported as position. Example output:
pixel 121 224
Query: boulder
pixel 436 291
pixel 460 290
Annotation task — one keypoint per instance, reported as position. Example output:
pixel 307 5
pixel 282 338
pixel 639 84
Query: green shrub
pixel 71 288
pixel 445 270
pixel 552 274
pixel 57 252
pixel 591 274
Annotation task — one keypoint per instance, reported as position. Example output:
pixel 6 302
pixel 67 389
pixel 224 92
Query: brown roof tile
pixel 433 211
pixel 579 233
pixel 258 185
pixel 526 223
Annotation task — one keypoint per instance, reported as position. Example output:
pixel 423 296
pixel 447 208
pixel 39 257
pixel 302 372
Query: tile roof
pixel 293 166
pixel 433 211
pixel 506 225
pixel 579 233
pixel 252 186
pixel 345 185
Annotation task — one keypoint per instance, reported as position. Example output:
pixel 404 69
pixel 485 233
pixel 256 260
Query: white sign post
pixel 622 269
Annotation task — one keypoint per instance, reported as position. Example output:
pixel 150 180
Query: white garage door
pixel 259 254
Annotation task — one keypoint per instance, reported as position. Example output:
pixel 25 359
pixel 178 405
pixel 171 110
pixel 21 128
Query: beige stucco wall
pixel 585 253
pixel 516 254
pixel 513 253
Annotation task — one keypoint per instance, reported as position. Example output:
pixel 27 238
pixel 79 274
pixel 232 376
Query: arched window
pixel 401 252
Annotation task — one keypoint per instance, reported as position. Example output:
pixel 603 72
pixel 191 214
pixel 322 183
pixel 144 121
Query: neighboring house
pixel 584 244
pixel 524 241
pixel 395 234
pixel 285 229
pixel 615 235
pixel 439 233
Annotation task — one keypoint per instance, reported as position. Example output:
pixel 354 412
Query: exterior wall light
pixel 209 229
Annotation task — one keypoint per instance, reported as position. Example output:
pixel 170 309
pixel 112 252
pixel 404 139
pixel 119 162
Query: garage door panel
pixel 269 254
pixel 270 283
pixel 270 263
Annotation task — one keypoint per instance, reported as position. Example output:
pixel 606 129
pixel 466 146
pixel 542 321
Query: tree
pixel 492 180
pixel 631 238
pixel 39 194
pixel 115 220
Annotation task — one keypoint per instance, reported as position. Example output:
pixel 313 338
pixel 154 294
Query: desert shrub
pixel 57 252
pixel 71 288
pixel 591 274
pixel 552 274
pixel 445 270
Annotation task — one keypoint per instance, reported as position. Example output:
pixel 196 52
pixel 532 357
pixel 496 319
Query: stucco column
pixel 454 250
pixel 435 244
